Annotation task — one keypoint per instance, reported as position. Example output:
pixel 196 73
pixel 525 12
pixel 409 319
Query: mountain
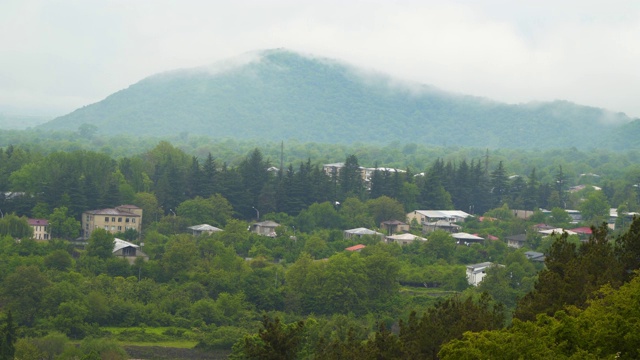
pixel 278 95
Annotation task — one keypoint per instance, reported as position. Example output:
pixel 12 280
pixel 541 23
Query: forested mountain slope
pixel 281 95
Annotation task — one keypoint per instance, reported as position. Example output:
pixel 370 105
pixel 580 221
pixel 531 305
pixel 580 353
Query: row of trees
pixel 81 180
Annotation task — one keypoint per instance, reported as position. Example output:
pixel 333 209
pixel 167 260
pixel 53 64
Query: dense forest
pixel 299 294
pixel 282 95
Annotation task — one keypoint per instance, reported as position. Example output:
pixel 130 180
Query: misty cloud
pixel 65 55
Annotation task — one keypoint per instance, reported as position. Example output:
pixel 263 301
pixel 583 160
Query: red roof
pixel 583 230
pixel 38 222
pixel 355 247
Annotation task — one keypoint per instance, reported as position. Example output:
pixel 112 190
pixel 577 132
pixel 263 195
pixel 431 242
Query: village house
pixel 128 251
pixel 116 220
pixel 360 232
pixel 404 239
pixel 442 225
pixel 391 227
pixel 477 272
pixel 463 238
pixel 40 229
pixel 266 228
pixel 203 229
pixel 516 241
pixel 430 216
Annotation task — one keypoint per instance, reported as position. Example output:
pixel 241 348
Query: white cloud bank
pixel 56 56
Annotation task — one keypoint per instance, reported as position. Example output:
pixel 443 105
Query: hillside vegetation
pixel 281 95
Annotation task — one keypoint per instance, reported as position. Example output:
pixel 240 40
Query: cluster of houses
pixel 126 217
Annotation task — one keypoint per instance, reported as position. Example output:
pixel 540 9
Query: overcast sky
pixel 58 55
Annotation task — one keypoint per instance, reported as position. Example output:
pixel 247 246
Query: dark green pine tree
pixel 377 183
pixel 294 192
pixel 8 338
pixel 561 184
pixel 461 191
pixel 530 198
pixel 433 196
pixel 304 183
pixel 77 196
pixel 517 192
pixel 209 177
pixel 254 175
pixel 480 189
pixel 195 180
pixel 322 187
pixel 111 196
pixel 350 179
pixel 499 186
pixel 232 188
pixel 397 181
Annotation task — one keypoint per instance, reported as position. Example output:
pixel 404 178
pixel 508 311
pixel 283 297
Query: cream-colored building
pixel 40 229
pixel 119 219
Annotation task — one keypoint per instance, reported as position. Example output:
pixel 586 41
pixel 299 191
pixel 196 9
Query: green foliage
pixel 101 349
pixel 605 329
pixel 16 227
pixel 8 336
pixel 63 226
pixel 100 244
pixel 571 275
pixel 274 340
pixel 214 210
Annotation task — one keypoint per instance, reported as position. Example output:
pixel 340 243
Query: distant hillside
pixel 280 95
pixel 21 122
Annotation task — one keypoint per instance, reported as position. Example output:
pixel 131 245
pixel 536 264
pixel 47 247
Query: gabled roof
pixel 406 237
pixel 362 231
pixel 443 223
pixel 466 236
pixel 393 222
pixel 519 237
pixel 534 255
pixel 119 244
pixel 355 247
pixel 38 222
pixel 114 212
pixel 443 213
pixel 585 230
pixel 204 227
pixel 558 231
pixel 267 223
pixel 480 266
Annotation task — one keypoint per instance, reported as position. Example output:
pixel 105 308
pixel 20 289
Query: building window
pixel 106 227
pixel 119 228
pixel 113 219
pixel 106 219
pixel 126 220
pixel 113 228
pixel 129 251
pixel 119 219
pixel 133 220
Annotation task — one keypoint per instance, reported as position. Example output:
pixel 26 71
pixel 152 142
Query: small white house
pixel 203 229
pixel 360 232
pixel 404 239
pixel 477 272
pixel 128 250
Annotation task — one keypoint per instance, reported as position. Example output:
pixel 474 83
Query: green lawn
pixel 153 336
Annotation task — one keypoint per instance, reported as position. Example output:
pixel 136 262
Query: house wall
pixel 40 232
pixel 113 223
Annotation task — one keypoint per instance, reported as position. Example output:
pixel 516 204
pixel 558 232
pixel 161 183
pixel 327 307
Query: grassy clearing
pixel 153 336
